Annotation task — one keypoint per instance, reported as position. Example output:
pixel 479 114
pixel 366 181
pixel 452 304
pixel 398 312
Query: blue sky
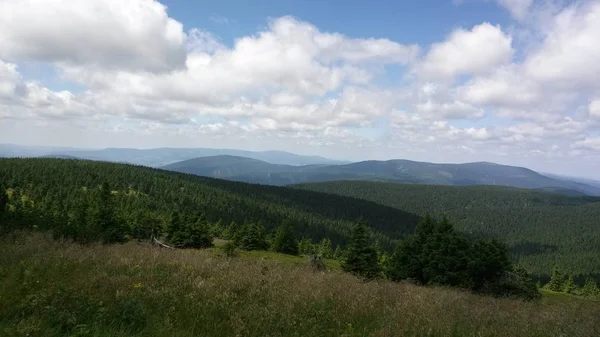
pixel 421 22
pixel 507 81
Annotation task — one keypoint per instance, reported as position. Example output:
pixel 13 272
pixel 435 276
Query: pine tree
pixel 285 241
pixel 569 286
pixel 361 257
pixel 557 280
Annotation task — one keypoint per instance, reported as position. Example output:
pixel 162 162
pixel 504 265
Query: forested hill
pixel 59 186
pixel 400 171
pixel 543 229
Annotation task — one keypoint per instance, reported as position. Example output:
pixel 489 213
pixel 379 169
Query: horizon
pixel 507 82
pixel 592 178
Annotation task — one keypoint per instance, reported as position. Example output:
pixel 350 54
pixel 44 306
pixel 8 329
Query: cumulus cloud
pixel 133 34
pixel 474 51
pixel 474 95
pixel 569 54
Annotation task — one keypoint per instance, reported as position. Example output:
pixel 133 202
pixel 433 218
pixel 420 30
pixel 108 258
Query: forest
pixel 543 230
pixel 91 201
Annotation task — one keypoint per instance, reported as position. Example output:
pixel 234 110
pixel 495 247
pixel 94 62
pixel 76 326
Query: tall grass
pixel 50 288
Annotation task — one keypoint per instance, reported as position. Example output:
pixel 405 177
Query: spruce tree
pixel 557 280
pixel 197 234
pixel 590 288
pixel 569 286
pixel 361 257
pixel 252 237
pixel 285 241
pixel 325 249
pixel 3 200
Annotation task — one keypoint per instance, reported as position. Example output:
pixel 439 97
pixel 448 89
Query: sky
pixel 509 81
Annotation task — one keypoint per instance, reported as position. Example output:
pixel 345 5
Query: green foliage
pixel 307 247
pixel 361 257
pixel 65 196
pixel 325 249
pixel 54 288
pixel 285 241
pixel 557 280
pixel 316 262
pixel 252 237
pixel 541 229
pixel 437 255
pixel 569 286
pixel 590 288
pixel 230 249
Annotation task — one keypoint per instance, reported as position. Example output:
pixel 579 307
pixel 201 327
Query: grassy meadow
pixel 57 288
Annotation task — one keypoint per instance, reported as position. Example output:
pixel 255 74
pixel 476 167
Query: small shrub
pixel 230 250
pixel 316 262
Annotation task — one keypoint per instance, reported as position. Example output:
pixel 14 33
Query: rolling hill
pixel 401 171
pixel 58 187
pixel 542 229
pixel 159 156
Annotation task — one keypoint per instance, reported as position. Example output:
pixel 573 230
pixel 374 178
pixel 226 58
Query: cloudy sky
pixel 508 81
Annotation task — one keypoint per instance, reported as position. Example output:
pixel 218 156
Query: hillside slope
pixel 159 156
pixel 401 171
pixel 63 289
pixel 543 229
pixel 54 186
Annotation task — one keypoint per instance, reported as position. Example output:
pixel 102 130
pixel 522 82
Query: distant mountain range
pixel 160 156
pixel 284 168
pixel 401 171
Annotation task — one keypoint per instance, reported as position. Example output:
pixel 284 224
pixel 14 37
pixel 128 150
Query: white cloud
pixel 517 8
pixel 142 81
pixel 589 144
pixel 569 54
pixel 132 34
pixel 594 108
pixel 474 51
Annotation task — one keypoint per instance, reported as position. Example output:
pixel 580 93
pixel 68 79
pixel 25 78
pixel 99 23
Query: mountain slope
pixel 58 186
pixel 164 156
pixel 542 229
pixel 402 171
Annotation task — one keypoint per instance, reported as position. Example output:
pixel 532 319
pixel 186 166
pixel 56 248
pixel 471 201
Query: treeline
pixel 542 230
pixel 66 195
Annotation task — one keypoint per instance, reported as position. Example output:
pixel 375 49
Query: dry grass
pixel 50 288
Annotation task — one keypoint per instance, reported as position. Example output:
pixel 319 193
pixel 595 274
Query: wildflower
pixel 137 285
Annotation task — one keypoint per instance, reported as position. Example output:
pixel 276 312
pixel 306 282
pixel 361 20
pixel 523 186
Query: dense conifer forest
pixel 89 201
pixel 543 230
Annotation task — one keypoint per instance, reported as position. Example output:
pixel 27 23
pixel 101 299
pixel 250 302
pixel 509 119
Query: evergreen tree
pixel 198 234
pixel 230 232
pixel 590 288
pixel 175 233
pixel 325 248
pixel 252 237
pixel 361 257
pixel 339 253
pixel 557 280
pixel 285 241
pixel 3 200
pixel 569 286
pixel 111 228
pixel 306 247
